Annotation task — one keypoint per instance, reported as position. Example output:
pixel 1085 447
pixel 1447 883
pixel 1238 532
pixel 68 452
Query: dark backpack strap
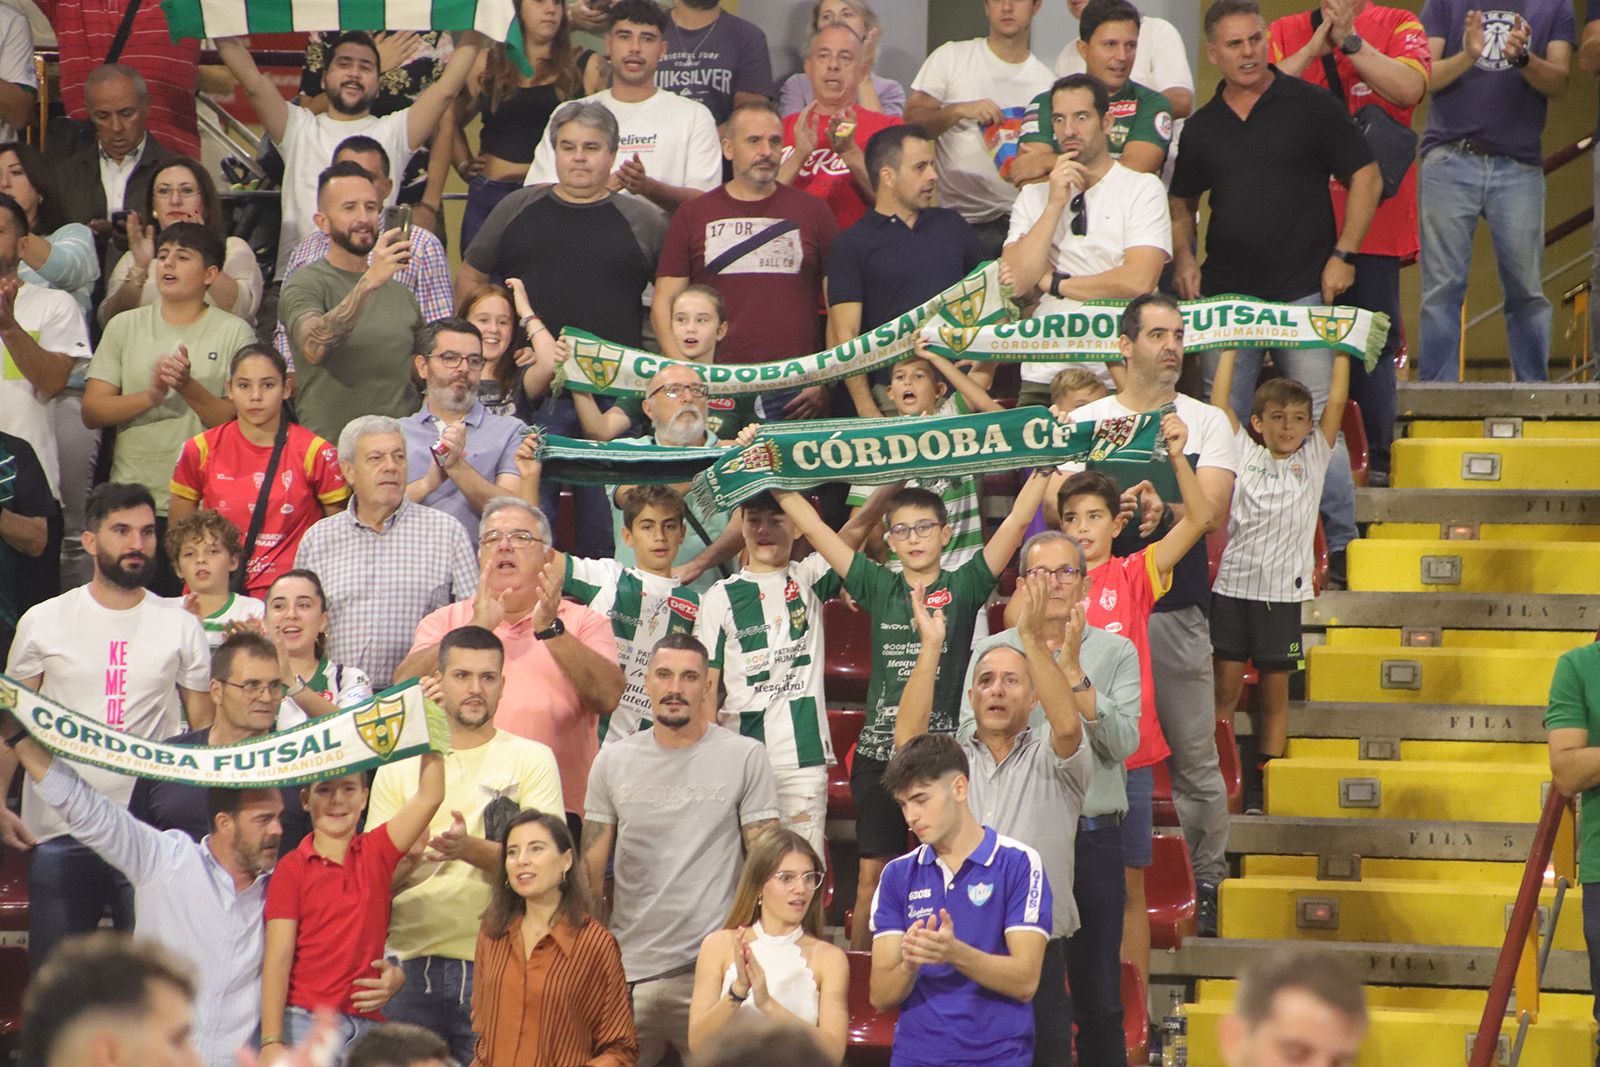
pixel 1330 66
pixel 258 516
pixel 124 28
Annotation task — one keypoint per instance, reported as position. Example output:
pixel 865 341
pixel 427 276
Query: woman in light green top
pixel 297 623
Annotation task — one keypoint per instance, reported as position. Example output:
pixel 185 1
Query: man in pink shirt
pixel 562 668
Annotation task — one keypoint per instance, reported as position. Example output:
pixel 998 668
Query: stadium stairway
pixel 1399 821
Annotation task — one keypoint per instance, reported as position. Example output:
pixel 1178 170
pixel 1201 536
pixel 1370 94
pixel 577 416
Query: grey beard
pixel 684 430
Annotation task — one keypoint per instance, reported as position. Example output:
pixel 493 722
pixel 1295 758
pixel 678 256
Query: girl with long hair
pixel 297 624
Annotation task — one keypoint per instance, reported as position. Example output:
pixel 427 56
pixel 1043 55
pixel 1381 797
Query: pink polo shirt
pixel 540 702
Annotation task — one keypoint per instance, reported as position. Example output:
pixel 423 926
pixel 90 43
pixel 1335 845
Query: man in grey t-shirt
pixel 677 803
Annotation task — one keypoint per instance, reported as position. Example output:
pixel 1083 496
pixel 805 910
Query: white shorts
pixel 803 804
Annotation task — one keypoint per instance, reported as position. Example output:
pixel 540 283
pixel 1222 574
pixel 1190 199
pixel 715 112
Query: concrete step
pixel 1502 428
pixel 1430 675
pixel 1396 638
pixel 1478 400
pixel 1425 751
pixel 1346 844
pixel 1466 507
pixel 1419 566
pixel 1488 531
pixel 1401 789
pixel 1505 611
pixel 1383 725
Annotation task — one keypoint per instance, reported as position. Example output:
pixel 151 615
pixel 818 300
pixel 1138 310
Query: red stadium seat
pixel 1166 814
pixel 997 616
pixel 566 519
pixel 1135 1014
pixel 13 938
pixel 849 653
pixel 871 1034
pixel 1169 892
pixel 845 727
pixel 1355 439
pixel 1007 583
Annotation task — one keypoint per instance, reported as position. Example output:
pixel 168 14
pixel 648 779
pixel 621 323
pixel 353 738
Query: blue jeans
pixel 483 196
pixel 297 1024
pixel 1455 188
pixel 1313 368
pixel 1052 1009
pixel 1377 288
pixel 1094 953
pixel 69 888
pixel 437 996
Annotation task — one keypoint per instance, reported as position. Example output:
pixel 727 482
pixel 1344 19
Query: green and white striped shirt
pixel 764 631
pixel 643 608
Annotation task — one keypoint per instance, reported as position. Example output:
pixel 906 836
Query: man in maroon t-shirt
pixel 764 247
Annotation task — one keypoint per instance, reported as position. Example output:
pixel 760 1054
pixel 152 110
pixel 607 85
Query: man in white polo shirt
pixel 669 150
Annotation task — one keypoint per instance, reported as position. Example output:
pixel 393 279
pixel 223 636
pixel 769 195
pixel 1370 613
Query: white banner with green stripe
pixel 497 19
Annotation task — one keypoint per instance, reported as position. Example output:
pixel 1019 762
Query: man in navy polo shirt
pixel 959 925
pixel 900 254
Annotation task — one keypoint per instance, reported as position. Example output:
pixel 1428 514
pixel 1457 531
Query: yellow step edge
pixel 1429 675
pixel 1446 751
pixel 1311 788
pixel 1395 566
pixel 1579 1006
pixel 1532 430
pixel 1535 640
pixel 1522 464
pixel 1455 872
pixel 1383 911
pixel 1489 531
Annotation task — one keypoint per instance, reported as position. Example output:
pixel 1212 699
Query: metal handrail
pixel 1521 954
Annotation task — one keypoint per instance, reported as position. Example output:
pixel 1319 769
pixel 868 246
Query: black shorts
pixel 881 830
pixel 1266 634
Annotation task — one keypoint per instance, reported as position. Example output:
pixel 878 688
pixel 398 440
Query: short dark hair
pixel 1133 314
pixel 1285 391
pixel 1097 13
pixel 345 168
pixel 48 216
pixel 473 639
pixel 88 974
pixel 914 496
pixel 635 500
pixel 1091 483
pixel 8 203
pixel 264 351
pixel 643 12
pixel 762 105
pixel 361 144
pixel 925 758
pixel 428 334
pixel 210 203
pixel 1222 9
pixel 107 497
pixel 243 643
pixel 360 37
pixel 221 800
pixel 763 503
pixel 199 525
pixel 886 148
pixel 680 643
pixel 1095 87
pixel 196 237
pixel 396 1045
pixel 707 291
pixel 1316 971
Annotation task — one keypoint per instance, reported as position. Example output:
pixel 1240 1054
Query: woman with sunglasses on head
pixel 770 961
pixel 297 624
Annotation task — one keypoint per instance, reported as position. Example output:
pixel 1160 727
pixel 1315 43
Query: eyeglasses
pixel 452 360
pixel 255 689
pixel 902 531
pixel 1080 217
pixel 789 879
pixel 679 390
pixel 1060 574
pixel 520 539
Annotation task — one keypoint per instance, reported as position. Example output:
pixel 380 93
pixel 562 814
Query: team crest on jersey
pixel 979 893
pixel 687 608
pixel 1333 324
pixel 1297 469
pixel 939 598
pixel 1108 599
pixel 1164 124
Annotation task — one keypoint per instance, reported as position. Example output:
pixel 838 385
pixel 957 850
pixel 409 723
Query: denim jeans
pixel 1313 368
pixel 1094 953
pixel 437 996
pixel 1454 189
pixel 69 888
pixel 1052 1009
pixel 1377 288
pixel 297 1024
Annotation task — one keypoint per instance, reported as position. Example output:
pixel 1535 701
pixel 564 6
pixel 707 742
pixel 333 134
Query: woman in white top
pixel 884 95
pixel 770 961
pixel 56 253
pixel 182 191
pixel 297 623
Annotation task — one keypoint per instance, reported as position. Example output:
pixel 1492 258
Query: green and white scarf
pixel 598 366
pixel 393 725
pixel 1090 334
pixel 575 462
pixel 799 455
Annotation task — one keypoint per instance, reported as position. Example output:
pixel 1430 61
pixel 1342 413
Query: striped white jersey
pixel 1272 526
pixel 764 631
pixel 643 608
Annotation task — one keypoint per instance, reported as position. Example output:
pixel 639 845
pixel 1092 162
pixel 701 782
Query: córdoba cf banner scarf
pixel 393 725
pixel 575 462
pixel 799 455
pixel 497 19
pixel 1090 334
pixel 598 366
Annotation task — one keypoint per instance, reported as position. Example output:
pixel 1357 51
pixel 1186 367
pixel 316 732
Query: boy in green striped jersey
pixel 918 527
pixel 644 602
pixel 763 627
pixel 917 387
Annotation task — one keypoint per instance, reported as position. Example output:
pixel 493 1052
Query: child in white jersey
pixel 1266 568
pixel 206 550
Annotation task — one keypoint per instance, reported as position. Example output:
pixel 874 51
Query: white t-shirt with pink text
pixel 122 668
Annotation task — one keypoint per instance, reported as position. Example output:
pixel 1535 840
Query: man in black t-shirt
pixel 30 536
pixel 585 255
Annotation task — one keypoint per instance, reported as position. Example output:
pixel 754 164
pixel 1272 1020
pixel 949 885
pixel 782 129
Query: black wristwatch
pixel 1084 685
pixel 1056 278
pixel 1342 256
pixel 1522 59
pixel 1351 44
pixel 555 629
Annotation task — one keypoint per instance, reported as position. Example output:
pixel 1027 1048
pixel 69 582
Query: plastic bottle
pixel 1175 1034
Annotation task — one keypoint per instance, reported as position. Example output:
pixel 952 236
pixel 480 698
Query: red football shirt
pixel 219 469
pixel 1395 33
pixel 824 174
pixel 343 916
pixel 1122 592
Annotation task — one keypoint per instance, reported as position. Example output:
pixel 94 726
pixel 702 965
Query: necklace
pixel 693 50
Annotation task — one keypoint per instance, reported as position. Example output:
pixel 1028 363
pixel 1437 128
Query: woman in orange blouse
pixel 548 988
